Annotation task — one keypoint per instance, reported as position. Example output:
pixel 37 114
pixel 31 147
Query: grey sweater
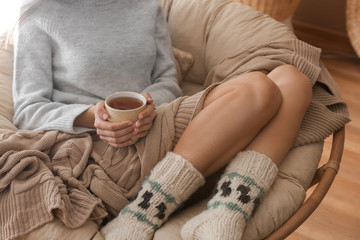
pixel 70 54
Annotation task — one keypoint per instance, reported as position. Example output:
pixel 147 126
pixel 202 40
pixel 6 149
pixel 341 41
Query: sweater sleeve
pixel 33 83
pixel 164 86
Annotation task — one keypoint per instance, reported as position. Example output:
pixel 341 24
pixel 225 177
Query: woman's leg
pixel 233 114
pixel 251 173
pixel 276 139
pixel 234 118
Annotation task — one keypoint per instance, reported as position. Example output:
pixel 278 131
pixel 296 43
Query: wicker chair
pixel 281 10
pixel 324 178
pixel 278 9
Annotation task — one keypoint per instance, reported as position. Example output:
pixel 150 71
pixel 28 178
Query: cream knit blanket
pixel 39 178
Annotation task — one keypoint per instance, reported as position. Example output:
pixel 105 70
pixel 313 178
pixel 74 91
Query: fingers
pixel 144 124
pixel 111 131
pixel 123 141
pixel 145 119
pixel 144 128
pixel 100 111
pixel 149 110
pixel 116 134
pixel 120 134
pixel 101 116
pixel 148 98
pixel 142 134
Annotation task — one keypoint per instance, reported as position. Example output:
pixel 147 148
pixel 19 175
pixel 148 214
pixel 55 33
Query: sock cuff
pixel 256 165
pixel 176 174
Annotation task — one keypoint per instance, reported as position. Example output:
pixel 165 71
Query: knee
pixel 263 94
pixel 293 84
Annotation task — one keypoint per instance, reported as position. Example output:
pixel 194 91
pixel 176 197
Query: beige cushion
pixel 56 230
pixel 190 88
pixel 234 24
pixel 6 103
pixel 214 30
pixel 183 61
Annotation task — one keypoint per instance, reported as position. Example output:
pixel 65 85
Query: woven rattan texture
pixel 278 9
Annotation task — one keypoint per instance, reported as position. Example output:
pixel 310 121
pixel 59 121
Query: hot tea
pixel 125 106
pixel 125 103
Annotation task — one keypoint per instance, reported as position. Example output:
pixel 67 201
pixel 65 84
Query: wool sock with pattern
pixel 240 189
pixel 170 183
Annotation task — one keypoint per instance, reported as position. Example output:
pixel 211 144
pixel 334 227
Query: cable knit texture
pixel 77 177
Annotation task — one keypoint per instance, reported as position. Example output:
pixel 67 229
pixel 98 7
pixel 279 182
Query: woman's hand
pixel 116 134
pixel 119 134
pixel 146 117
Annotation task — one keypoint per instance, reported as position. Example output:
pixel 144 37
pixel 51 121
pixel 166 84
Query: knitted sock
pixel 240 189
pixel 170 183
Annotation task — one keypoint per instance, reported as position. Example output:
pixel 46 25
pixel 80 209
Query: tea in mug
pixel 125 103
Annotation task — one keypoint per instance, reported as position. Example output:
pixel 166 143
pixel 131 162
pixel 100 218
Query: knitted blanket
pixel 327 112
pixel 39 178
pixel 78 177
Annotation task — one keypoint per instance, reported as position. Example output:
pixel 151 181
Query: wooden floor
pixel 338 216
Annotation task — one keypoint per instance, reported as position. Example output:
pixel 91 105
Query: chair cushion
pixel 57 230
pixel 214 30
pixel 6 103
pixel 183 61
pixel 190 88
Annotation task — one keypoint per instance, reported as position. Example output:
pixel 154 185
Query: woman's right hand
pixel 116 134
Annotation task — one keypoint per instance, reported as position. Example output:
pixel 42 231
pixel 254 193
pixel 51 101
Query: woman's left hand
pixel 143 125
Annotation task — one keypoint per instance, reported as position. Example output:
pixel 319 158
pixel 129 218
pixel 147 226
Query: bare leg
pixel 251 173
pixel 243 113
pixel 234 113
pixel 276 139
pixel 235 118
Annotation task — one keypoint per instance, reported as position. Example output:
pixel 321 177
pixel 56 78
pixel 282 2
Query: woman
pixel 71 54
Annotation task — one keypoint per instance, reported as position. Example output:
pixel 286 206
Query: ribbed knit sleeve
pixel 33 81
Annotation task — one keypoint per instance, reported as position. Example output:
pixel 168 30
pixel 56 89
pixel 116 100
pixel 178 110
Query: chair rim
pixel 324 176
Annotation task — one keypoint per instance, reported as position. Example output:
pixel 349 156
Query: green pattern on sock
pixel 140 217
pixel 231 206
pixel 157 188
pixel 247 180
